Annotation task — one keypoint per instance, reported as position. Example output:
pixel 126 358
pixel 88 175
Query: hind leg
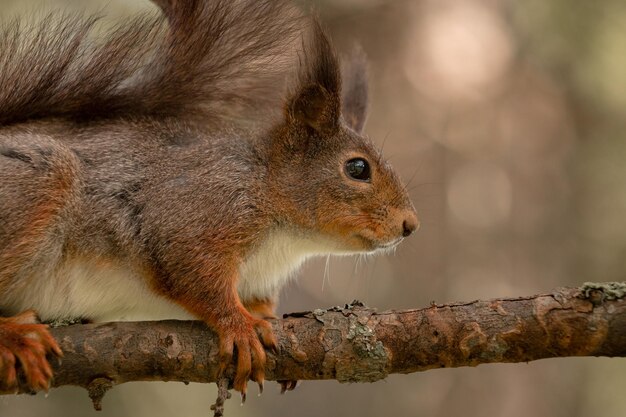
pixel 39 183
pixel 24 345
pixel 38 180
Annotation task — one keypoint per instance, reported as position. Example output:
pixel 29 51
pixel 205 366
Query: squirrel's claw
pixel 249 340
pixel 287 386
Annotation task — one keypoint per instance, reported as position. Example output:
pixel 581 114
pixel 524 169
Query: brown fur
pixel 145 67
pixel 139 153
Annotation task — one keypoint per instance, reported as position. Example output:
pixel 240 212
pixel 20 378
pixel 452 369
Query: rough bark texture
pixel 356 344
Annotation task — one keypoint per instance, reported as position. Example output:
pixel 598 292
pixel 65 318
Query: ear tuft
pixel 354 95
pixel 316 102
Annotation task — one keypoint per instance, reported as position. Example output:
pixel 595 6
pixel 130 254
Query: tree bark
pixel 355 343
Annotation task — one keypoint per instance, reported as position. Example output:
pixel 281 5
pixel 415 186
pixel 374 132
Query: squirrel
pixel 168 169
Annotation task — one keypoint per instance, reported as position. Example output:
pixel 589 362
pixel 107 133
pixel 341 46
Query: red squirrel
pixel 163 170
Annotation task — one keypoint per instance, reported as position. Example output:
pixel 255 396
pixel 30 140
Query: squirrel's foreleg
pixel 212 296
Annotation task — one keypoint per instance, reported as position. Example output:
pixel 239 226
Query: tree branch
pixel 356 344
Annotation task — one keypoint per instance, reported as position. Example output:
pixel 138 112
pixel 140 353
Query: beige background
pixel 507 118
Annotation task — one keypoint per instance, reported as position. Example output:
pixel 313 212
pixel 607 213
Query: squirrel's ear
pixel 315 107
pixel 316 103
pixel 355 93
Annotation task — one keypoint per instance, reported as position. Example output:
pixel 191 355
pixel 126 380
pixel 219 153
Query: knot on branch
pixel 96 390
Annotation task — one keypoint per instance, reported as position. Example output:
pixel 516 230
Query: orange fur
pixel 263 309
pixel 24 344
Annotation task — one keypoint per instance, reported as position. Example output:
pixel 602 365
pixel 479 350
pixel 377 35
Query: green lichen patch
pixel 371 357
pixel 610 290
pixel 318 314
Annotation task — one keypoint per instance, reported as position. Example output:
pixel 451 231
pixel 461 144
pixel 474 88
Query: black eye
pixel 358 169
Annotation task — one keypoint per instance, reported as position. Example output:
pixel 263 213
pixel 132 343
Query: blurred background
pixel 508 120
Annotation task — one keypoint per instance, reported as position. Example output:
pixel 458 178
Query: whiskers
pixel 326 272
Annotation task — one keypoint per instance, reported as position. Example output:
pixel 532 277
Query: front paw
pixel 25 344
pixel 249 337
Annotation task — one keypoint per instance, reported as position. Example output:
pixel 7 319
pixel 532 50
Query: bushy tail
pixel 204 60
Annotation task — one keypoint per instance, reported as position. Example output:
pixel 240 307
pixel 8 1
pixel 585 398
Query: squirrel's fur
pixel 144 66
pixel 170 168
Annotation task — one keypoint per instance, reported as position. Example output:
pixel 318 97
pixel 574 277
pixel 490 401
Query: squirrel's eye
pixel 358 169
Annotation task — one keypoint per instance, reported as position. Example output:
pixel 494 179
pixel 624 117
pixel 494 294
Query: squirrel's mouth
pixel 388 246
pixel 392 244
pixel 373 244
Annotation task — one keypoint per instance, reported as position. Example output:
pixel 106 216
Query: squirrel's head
pixel 329 177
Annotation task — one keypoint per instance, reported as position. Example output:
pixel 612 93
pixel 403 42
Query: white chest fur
pixel 94 289
pixel 275 261
pixel 112 290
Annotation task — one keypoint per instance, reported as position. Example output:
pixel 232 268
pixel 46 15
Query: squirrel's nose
pixel 410 225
